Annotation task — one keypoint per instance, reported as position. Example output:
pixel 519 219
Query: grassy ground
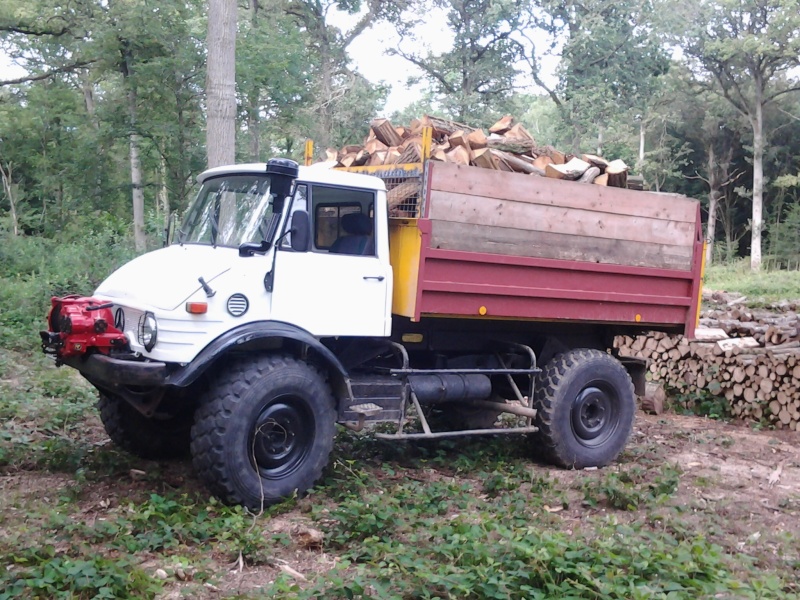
pixel 693 509
pixel 760 288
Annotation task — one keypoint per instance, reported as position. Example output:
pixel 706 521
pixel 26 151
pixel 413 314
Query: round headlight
pixel 148 331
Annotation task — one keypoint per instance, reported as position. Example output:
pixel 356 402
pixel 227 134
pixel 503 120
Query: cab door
pixel 342 287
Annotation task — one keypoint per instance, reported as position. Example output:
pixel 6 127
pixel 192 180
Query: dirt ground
pixel 738 485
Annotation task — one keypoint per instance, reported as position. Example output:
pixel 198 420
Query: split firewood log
pixel 484 158
pixel 558 157
pixel 458 155
pixel 439 154
pixel 385 132
pixel 596 161
pixel 617 172
pixel 590 175
pixel 362 157
pixel 477 139
pixel 348 159
pixel 518 132
pixel 460 138
pixel 411 153
pixel 392 155
pixel 400 194
pixel 377 158
pixel 502 126
pixel 375 145
pixel 441 127
pixel 571 170
pixel 654 398
pixel 541 162
pixel 517 163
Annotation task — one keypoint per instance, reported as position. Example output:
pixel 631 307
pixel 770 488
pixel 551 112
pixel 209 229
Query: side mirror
pixel 301 231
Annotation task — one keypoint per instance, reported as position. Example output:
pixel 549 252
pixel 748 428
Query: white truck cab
pixel 341 287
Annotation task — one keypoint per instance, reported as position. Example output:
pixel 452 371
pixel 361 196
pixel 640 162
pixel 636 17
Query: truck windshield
pixel 229 211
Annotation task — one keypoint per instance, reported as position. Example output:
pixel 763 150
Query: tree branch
pixel 419 63
pixel 780 93
pixel 22 29
pixel 48 74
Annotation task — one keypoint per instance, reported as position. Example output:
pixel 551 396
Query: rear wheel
pixel 163 436
pixel 264 430
pixel 585 409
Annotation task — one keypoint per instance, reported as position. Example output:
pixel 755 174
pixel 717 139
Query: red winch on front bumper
pixel 80 325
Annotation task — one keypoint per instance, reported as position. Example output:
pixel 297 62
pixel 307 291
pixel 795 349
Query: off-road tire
pixel 264 430
pixel 585 409
pixel 151 438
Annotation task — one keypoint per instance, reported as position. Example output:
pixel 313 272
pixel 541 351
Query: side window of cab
pixel 343 220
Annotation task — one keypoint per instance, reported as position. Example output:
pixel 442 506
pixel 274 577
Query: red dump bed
pixel 498 245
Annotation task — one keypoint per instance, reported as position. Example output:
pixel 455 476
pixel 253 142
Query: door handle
pixel 376 277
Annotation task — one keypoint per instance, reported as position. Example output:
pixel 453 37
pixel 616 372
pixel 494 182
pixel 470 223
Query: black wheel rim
pixel 595 414
pixel 281 437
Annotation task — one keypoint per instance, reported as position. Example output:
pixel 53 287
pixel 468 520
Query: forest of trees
pixel 106 127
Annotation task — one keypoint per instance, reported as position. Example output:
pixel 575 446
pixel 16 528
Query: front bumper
pixel 102 369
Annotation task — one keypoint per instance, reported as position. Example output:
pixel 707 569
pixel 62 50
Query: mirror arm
pixel 251 248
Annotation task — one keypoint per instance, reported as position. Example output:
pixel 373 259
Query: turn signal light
pixel 197 308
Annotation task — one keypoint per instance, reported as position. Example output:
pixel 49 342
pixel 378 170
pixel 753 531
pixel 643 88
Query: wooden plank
pixel 470 237
pixel 709 334
pixel 519 187
pixel 462 208
pixel 743 342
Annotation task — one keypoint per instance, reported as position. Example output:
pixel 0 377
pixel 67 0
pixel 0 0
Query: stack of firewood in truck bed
pixel 506 146
pixel 749 356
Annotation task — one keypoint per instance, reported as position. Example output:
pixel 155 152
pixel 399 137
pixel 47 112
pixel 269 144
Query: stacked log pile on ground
pixel 757 369
pixel 507 146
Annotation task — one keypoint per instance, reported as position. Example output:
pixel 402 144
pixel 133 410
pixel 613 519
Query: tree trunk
pixel 758 182
pixel 640 164
pixel 254 127
pixel 221 83
pixel 713 199
pixel 8 188
pixel 163 193
pixel 137 191
pixel 88 98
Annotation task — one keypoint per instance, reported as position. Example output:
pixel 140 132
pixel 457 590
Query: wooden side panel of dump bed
pixel 480 210
pixel 500 245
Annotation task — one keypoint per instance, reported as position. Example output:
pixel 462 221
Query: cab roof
pixel 320 173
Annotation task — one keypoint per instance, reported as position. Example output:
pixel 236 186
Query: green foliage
pixel 44 573
pixel 171 525
pixel 438 540
pixel 761 287
pixel 474 80
pixel 706 403
pixel 610 68
pixel 630 489
pixel 784 239
pixel 33 269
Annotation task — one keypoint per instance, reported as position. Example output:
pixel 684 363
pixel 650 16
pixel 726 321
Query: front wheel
pixel 585 409
pixel 264 431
